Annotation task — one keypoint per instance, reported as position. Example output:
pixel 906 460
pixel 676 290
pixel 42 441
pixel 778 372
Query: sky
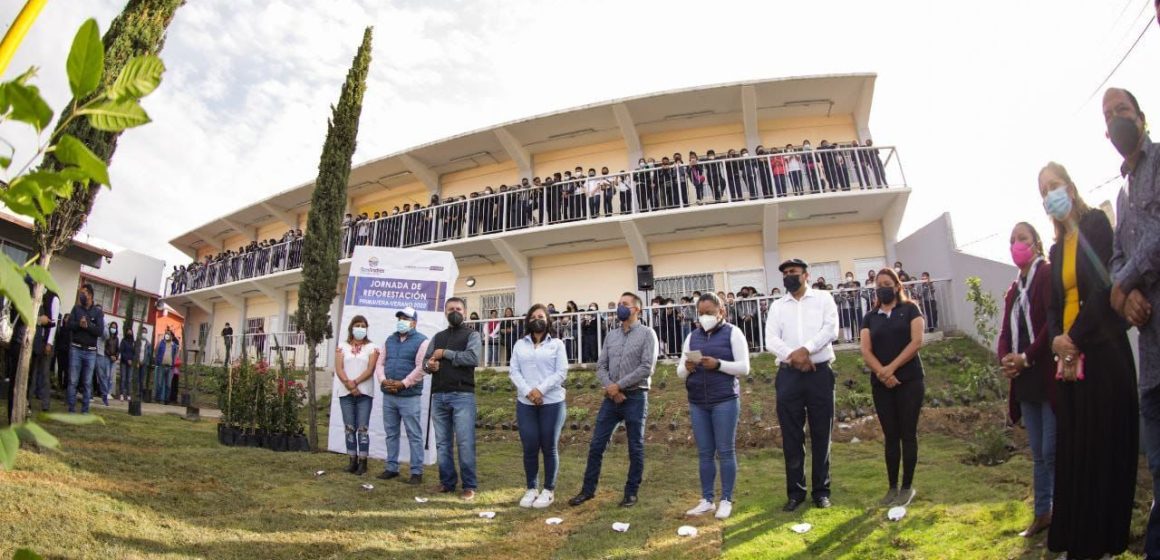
pixel 976 96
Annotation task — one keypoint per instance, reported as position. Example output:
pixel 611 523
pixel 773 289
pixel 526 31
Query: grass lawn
pixel 159 486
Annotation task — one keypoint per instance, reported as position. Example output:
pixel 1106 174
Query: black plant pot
pixel 243 439
pixel 135 408
pixel 279 442
pixel 304 443
pixel 221 434
pixel 257 439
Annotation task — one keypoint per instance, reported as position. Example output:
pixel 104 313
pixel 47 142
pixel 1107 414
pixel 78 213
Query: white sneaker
pixel 724 509
pixel 529 497
pixel 702 508
pixel 546 498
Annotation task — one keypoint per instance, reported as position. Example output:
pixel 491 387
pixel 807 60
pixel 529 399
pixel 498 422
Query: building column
pixel 890 224
pixel 749 117
pixel 520 268
pixel 771 219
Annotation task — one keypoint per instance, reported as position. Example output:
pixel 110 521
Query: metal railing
pixel 583 332
pixel 720 180
pixel 265 347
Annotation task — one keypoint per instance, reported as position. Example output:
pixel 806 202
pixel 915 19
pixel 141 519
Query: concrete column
pixel 769 245
pixel 890 224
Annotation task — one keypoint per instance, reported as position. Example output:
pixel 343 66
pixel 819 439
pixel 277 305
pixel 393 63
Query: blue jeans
pixel 540 432
pixel 633 412
pixel 405 411
pixel 80 370
pixel 103 380
pixel 453 415
pixel 1150 413
pixel 356 417
pixel 125 386
pixel 161 376
pixel 715 429
pixel 1039 420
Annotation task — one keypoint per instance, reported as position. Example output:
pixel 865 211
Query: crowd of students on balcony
pixel 569 196
pixel 673 318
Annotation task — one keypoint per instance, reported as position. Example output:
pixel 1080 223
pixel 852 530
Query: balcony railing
pixel 583 332
pixel 645 190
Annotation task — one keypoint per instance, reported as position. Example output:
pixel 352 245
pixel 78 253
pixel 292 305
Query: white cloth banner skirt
pixel 381 282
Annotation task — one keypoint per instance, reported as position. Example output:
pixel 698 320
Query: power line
pixel 1100 87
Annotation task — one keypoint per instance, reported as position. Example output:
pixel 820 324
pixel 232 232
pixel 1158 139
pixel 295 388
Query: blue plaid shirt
pixel 1136 251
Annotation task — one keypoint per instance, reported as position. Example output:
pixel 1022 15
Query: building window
pixel 497 303
pixel 103 294
pixel 677 287
pixel 18 254
pixel 747 278
pixel 141 305
pixel 252 325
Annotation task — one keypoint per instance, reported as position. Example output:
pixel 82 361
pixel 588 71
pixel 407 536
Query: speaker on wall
pixel 644 277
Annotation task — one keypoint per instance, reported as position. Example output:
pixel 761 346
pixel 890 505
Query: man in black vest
pixel 451 359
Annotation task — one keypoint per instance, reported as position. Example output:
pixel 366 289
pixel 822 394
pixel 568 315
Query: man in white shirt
pixel 800 331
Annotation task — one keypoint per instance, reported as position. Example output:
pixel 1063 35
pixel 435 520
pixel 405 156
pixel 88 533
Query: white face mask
pixel 708 322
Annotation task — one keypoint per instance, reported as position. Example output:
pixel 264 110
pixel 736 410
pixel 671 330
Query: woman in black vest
pixel 714 398
pixel 891 336
pixel 1096 413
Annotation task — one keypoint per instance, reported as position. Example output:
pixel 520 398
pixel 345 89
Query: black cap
pixel 792 262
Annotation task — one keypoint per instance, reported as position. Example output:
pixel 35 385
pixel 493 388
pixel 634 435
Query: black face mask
pixel 538 326
pixel 792 283
pixel 455 318
pixel 886 295
pixel 1125 136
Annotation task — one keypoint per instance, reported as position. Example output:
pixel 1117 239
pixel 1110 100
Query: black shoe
pixel 822 502
pixel 353 466
pixel 579 499
pixel 792 505
pixel 362 467
pixel 415 479
pixel 387 475
pixel 628 502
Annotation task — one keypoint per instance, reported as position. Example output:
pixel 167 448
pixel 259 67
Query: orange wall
pixel 779 132
pixel 719 138
pixel 463 183
pixel 613 155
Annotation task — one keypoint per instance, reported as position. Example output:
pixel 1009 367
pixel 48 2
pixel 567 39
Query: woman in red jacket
pixel 1025 354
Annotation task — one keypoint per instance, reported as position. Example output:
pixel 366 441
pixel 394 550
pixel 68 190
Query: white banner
pixel 381 282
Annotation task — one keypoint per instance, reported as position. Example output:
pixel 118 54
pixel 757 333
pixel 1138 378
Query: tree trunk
pixel 311 398
pixel 20 388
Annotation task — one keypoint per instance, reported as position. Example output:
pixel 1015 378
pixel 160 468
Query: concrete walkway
pixel 154 408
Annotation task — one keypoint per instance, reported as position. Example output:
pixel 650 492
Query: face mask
pixel 708 322
pixel 167 338
pixel 592 308
pixel 113 331
pixel 792 283
pixel 1022 254
pixel 1124 135
pixel 1057 203
pixel 403 327
pixel 455 318
pixel 886 295
pixel 360 333
pixel 623 313
pixel 538 326
pixel 84 300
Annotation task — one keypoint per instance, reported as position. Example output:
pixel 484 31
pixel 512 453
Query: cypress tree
pixel 320 248
pixel 138 30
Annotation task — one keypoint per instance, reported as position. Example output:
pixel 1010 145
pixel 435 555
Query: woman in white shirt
pixel 714 398
pixel 354 364
pixel 539 367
